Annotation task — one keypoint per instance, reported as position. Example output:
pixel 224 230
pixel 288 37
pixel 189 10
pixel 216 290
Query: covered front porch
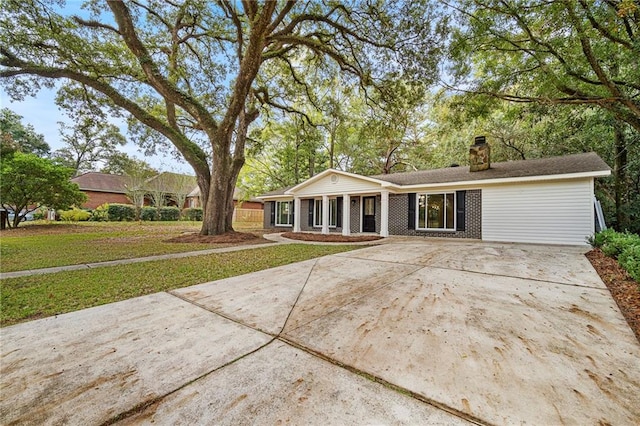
pixel 344 213
pixel 332 202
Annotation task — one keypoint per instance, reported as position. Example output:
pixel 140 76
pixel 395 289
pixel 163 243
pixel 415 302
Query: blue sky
pixel 43 114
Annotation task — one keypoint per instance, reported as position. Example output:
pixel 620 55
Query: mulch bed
pixel 329 238
pixel 227 238
pixel 625 291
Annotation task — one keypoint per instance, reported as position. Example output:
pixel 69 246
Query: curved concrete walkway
pixel 411 332
pixel 128 261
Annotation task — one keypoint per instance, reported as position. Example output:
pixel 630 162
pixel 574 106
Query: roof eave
pixel 564 176
pixel 112 191
pixel 270 197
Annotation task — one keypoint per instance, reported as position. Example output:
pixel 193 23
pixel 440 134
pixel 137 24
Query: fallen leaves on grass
pixel 226 238
pixel 624 290
pixel 329 238
pixel 38 228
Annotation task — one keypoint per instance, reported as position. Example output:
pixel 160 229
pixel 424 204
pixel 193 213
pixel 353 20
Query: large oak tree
pixel 189 72
pixel 556 52
pixel 577 52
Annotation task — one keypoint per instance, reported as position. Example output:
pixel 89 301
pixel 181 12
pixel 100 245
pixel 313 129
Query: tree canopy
pixel 28 182
pixel 15 136
pixel 198 74
pixel 301 86
pixel 553 52
pixel 88 143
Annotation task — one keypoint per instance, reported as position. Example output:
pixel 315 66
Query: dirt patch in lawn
pixel 329 238
pixel 623 288
pixel 234 238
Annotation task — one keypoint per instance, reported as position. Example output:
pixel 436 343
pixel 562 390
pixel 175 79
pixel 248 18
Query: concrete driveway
pixel 412 331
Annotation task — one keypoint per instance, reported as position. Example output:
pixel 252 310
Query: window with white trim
pixel 317 212
pixel 436 211
pixel 284 213
pixel 333 212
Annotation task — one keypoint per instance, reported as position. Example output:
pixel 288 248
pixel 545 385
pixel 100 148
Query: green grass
pixel 34 247
pixel 40 296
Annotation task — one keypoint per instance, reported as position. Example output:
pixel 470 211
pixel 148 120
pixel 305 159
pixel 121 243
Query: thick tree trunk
pixel 216 217
pixel 218 204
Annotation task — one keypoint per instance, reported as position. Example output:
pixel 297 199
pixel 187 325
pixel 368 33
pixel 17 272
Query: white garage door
pixel 548 213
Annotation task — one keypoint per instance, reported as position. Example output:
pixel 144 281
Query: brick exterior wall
pixel 267 219
pixel 304 216
pixel 355 215
pixel 267 215
pixel 399 216
pixel 96 198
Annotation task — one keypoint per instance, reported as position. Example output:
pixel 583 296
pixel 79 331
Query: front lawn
pixel 47 245
pixel 38 296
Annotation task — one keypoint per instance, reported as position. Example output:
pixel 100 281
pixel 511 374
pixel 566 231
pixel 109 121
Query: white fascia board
pixel 292 191
pixel 367 192
pixel 274 197
pixel 479 183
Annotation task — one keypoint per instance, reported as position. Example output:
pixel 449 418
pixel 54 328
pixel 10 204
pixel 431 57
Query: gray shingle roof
pixel 576 163
pixel 280 191
pixel 103 182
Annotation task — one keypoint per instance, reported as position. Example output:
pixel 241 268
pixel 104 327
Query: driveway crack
pixel 215 312
pixel 295 303
pixel 377 379
pixel 337 308
pixel 139 408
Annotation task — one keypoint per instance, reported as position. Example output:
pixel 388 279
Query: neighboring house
pixel 174 187
pixel 102 188
pixel 549 200
pixel 239 201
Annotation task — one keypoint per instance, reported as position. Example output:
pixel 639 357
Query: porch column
pixel 384 214
pixel 346 215
pixel 325 214
pixel 296 214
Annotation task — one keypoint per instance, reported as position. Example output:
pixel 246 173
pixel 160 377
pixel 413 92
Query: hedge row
pixel 623 246
pixel 163 213
pixel 127 212
pixel 121 212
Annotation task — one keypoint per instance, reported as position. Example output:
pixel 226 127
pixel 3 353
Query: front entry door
pixel 369 214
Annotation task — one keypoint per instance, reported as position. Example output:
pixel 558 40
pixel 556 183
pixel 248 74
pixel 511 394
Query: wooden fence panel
pixel 248 218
